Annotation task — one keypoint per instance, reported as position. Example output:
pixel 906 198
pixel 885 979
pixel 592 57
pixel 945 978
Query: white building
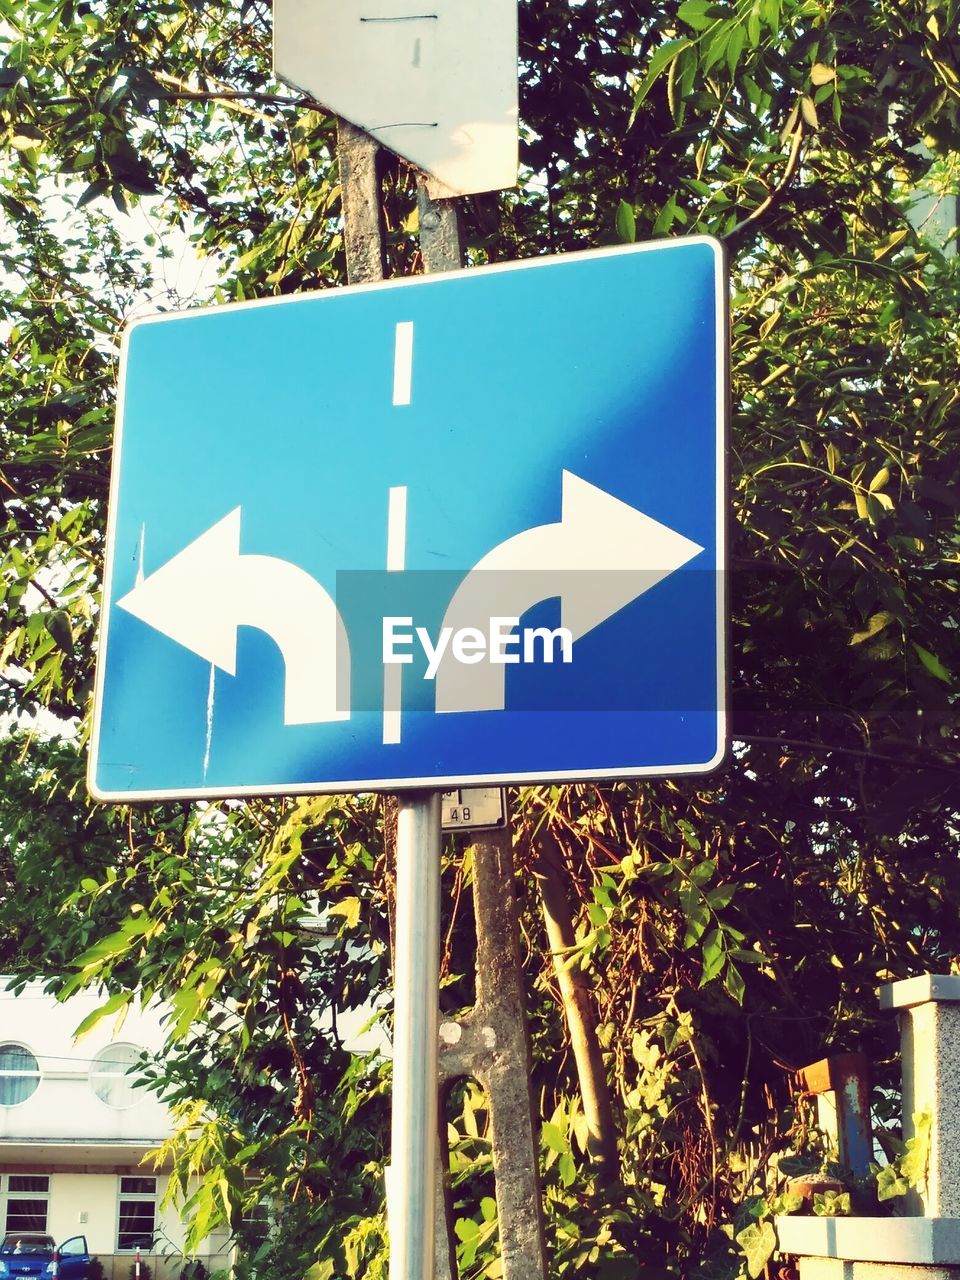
pixel 74 1131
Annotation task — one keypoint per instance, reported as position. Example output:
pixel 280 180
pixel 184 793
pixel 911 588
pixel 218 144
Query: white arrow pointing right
pixel 600 556
pixel 206 591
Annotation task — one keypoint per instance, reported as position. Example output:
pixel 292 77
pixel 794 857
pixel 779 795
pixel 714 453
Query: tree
pixel 728 926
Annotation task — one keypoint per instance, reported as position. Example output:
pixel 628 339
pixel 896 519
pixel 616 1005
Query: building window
pixel 256 1224
pixel 113 1078
pixel 138 1213
pixel 27 1202
pixel 19 1074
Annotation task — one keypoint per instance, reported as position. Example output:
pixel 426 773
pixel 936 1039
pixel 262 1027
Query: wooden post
pixel 492 1044
pixel 360 196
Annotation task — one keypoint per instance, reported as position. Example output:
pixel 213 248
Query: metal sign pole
pixel 414 1145
pixel 414 1148
pixel 412 1186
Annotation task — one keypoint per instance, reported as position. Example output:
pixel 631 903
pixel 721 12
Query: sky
pixel 182 274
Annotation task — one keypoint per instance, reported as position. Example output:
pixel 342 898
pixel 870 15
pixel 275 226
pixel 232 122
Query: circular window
pixel 112 1077
pixel 19 1074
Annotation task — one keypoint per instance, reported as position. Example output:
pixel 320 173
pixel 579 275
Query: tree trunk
pixel 578 1007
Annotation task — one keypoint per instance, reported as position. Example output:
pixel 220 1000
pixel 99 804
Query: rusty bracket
pixel 441 241
pixel 847 1077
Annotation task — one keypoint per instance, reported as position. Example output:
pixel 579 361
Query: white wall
pixel 84 1145
pixel 97 1195
pixel 64 1106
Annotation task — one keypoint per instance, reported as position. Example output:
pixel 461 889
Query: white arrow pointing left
pixel 206 591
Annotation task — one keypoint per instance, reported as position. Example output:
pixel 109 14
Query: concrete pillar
pixel 929 1009
pixel 837 1269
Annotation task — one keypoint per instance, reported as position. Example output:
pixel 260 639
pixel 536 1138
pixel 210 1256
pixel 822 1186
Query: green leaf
pixel 320 1271
pixel 661 59
pixel 704 871
pixel 626 222
pixel 666 217
pixel 113 1005
pixel 875 624
pixel 186 1003
pixel 59 627
pixel 113 945
pixel 789 1202
pixel 99 188
pixel 349 908
pixel 809 112
pixel 734 984
pixel 25 137
pixel 753 34
pixel 699 14
pixel 831 1204
pixel 714 957
pixel 914 1161
pixel 738 38
pixel 758 1241
pixel 598 917
pixel 822 74
pixel 932 663
pixel 714 47
pixel 553 1137
pixel 696 913
pixel 891 1183
pixel 722 896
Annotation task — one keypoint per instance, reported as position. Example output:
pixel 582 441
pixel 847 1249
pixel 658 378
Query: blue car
pixel 28 1253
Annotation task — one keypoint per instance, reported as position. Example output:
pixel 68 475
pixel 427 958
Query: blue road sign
pixel 447 531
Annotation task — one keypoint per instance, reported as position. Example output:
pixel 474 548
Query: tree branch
pixel 778 192
pixel 578 1007
pixel 802 744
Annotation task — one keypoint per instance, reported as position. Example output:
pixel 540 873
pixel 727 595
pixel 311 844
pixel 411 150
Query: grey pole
pixel 414 1147
pixel 411 1196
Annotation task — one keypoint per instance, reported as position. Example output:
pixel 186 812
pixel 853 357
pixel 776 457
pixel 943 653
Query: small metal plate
pixel 472 808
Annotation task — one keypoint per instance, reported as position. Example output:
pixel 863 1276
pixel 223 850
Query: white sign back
pixel 433 80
